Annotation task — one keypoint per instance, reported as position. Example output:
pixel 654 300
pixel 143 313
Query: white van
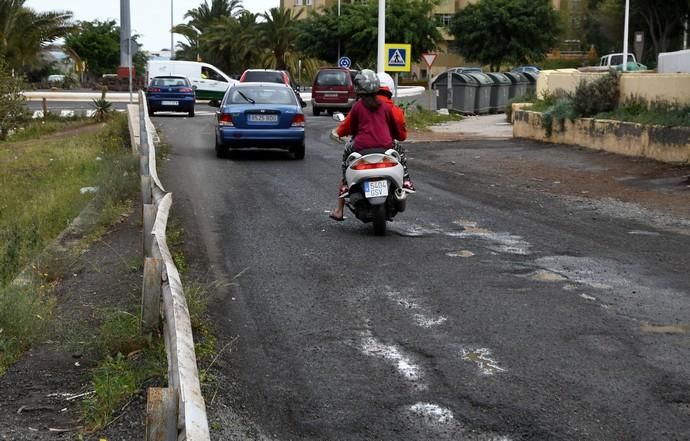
pixel 210 82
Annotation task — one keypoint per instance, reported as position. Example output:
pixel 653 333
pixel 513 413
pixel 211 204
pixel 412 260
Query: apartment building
pixel 442 13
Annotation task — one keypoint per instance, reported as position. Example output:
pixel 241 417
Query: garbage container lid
pixel 481 78
pixel 458 78
pixel 531 76
pixel 498 78
pixel 516 77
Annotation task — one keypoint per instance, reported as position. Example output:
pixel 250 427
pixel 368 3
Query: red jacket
pixel 344 129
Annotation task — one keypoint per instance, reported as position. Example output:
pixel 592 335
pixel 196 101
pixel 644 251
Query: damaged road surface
pixel 529 292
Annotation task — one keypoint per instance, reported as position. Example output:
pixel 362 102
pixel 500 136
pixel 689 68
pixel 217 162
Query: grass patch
pixel 661 114
pixel 419 118
pixel 129 361
pixel 24 314
pixel 40 188
pixel 40 183
pixel 39 127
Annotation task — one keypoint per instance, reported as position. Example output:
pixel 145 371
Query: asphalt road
pixel 498 307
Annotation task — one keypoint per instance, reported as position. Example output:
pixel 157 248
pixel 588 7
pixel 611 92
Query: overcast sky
pixel 150 18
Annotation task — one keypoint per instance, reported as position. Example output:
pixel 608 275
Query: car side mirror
pixel 338 116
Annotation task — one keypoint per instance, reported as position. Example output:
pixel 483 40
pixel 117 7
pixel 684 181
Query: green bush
pixel 13 111
pixel 600 95
pixel 526 98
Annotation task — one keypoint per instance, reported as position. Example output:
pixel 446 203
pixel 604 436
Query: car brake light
pixel 225 120
pixel 186 89
pixel 154 89
pixel 364 165
pixel 298 120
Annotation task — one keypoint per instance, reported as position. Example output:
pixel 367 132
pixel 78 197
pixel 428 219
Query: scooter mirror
pixel 338 116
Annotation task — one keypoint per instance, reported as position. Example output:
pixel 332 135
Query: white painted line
pixel 432 412
pixel 643 233
pixel 463 253
pixel 481 356
pixel 586 297
pixel 500 242
pixel 422 317
pixel 404 365
pixel 546 276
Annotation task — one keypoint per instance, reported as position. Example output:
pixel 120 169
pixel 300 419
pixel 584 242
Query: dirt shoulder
pixel 43 393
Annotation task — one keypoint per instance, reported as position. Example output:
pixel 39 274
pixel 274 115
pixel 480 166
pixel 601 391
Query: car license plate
pixel 330 95
pixel 170 103
pixel 374 189
pixel 263 118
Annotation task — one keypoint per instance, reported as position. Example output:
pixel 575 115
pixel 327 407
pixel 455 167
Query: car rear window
pixel 169 81
pixel 262 95
pixel 332 78
pixel 263 77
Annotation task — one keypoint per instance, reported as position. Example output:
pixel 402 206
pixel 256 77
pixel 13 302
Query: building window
pixel 298 2
pixel 443 19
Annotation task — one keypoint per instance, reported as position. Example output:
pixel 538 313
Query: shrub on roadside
pixel 13 110
pixel 600 95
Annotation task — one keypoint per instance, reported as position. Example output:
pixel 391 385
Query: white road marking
pixel 481 356
pixel 502 242
pixel 586 297
pixel 421 316
pixel 407 368
pixel 546 276
pixel 643 233
pixel 432 412
pixel 463 253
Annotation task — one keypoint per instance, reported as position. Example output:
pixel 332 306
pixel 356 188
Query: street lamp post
pixel 172 51
pixel 625 35
pixel 338 32
pixel 380 63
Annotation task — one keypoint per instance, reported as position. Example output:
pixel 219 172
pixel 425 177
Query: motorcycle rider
pixel 372 125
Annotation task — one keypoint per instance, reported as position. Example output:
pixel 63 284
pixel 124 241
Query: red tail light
pixel 384 163
pixel 298 120
pixel 225 119
pixel 154 89
pixel 186 89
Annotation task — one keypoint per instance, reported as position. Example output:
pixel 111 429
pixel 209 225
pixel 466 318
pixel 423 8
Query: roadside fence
pixel 177 412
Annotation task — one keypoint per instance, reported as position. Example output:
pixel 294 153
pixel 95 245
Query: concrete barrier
pixel 666 144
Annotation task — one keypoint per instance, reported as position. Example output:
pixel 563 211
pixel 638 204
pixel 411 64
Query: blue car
pixel 170 94
pixel 261 115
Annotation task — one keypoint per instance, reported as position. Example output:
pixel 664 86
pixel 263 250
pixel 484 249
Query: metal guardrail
pixel 177 412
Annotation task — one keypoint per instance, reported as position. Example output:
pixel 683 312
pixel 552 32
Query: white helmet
pixel 387 83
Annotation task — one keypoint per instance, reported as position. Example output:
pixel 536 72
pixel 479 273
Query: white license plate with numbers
pixel 170 103
pixel 375 189
pixel 263 118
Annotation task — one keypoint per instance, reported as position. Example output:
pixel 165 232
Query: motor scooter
pixel 374 178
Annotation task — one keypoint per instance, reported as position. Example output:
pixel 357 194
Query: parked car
pixel 170 94
pixel 263 115
pixel 527 68
pixel 333 89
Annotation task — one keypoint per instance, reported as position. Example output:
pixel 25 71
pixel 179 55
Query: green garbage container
pixel 500 91
pixel 460 97
pixel 482 102
pixel 518 86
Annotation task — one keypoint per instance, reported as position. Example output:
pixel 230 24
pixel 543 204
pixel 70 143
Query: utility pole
pixel 172 48
pixel 625 35
pixel 380 60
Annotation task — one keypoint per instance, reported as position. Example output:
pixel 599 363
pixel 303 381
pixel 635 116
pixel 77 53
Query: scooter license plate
pixel 375 189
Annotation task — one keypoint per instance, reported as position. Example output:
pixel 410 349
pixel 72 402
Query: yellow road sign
pixel 398 57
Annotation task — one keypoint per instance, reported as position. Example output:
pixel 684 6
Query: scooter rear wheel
pixel 380 220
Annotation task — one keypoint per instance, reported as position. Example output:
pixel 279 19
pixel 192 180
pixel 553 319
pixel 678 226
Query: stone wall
pixel 654 87
pixel 666 144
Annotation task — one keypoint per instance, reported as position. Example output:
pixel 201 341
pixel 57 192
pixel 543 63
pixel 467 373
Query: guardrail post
pixel 161 414
pixel 149 215
pixel 45 108
pixel 151 296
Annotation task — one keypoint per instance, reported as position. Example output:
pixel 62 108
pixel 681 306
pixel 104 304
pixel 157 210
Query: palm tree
pixel 200 20
pixel 278 33
pixel 232 42
pixel 24 31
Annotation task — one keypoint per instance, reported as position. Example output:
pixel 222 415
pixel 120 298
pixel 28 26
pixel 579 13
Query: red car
pixel 333 89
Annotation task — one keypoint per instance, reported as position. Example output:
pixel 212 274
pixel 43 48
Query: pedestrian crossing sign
pixel 398 57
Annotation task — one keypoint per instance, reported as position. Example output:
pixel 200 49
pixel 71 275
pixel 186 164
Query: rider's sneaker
pixel 408 186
